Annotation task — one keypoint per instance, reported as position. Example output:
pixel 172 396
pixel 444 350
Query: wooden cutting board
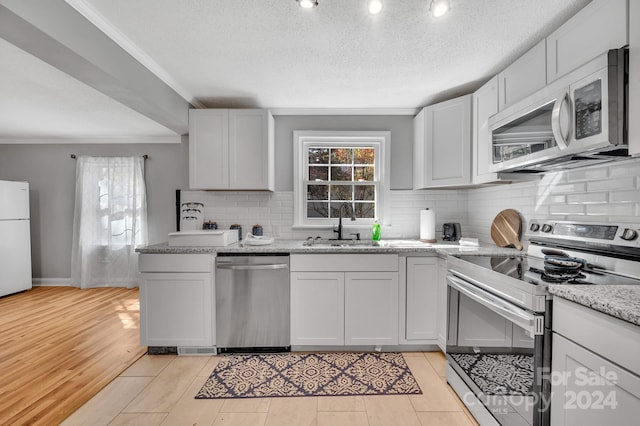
pixel 506 228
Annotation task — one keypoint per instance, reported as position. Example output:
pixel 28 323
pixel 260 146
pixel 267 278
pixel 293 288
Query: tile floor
pixel 160 390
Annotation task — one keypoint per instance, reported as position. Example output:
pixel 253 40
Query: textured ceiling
pixel 272 53
pixel 276 54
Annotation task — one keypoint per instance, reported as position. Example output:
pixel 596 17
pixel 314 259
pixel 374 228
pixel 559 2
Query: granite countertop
pixel 296 246
pixel 620 301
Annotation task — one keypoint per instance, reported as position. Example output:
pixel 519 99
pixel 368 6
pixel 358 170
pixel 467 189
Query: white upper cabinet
pixel 523 77
pixel 600 26
pixel 442 144
pixel 231 149
pixel 485 104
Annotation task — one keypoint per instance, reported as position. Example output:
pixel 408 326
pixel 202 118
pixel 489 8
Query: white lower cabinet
pixel 371 308
pixel 344 300
pixel 177 300
pixel 419 292
pixel 589 390
pixel 317 308
pixel 595 377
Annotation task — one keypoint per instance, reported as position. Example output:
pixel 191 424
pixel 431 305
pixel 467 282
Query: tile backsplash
pixel 604 193
pixel 274 211
pixel 598 193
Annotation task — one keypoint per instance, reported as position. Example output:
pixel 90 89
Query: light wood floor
pixel 59 346
pixel 160 390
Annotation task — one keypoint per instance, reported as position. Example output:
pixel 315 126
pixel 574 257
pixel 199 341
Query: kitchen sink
pixel 310 242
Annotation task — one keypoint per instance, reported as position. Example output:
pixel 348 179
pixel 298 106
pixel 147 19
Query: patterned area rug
pixel 499 374
pixel 324 374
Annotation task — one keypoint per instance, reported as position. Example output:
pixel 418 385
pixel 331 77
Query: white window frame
pixel 303 139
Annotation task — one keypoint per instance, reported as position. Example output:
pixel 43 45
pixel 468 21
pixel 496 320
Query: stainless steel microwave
pixel 579 119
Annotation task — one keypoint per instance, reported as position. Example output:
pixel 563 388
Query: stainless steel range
pixel 499 317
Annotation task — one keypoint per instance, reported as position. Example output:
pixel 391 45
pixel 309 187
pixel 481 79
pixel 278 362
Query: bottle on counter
pixel 375 231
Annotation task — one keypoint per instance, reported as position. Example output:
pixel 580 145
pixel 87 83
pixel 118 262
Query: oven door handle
pixel 510 312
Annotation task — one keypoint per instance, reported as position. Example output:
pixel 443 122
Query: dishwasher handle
pixel 252 267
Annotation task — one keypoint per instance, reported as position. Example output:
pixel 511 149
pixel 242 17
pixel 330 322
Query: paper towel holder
pixel 423 233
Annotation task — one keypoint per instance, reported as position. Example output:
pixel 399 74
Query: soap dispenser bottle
pixel 375 231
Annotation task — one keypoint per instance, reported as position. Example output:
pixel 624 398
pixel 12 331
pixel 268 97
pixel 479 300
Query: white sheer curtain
pixel 109 221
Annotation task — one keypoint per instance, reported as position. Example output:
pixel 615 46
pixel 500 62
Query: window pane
pixel 341 192
pixel 365 192
pixel 318 192
pixel 341 173
pixel 346 210
pixel 318 155
pixel 364 155
pixel 366 210
pixel 318 173
pixel 364 173
pixel 320 210
pixel 341 155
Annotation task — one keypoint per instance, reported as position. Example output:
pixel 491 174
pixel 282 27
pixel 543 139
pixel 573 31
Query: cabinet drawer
pixel 175 263
pixel 344 262
pixel 612 338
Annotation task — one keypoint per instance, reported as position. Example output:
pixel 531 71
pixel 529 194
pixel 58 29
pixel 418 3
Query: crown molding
pixel 345 111
pixel 89 140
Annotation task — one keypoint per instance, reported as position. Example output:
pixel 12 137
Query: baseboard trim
pixel 51 282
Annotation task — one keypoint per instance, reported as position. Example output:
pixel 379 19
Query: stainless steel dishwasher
pixel 252 302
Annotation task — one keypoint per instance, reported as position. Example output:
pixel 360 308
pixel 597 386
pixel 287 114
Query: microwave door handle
pixel 561 139
pixel 510 312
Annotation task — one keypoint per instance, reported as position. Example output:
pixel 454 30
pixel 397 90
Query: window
pixel 340 172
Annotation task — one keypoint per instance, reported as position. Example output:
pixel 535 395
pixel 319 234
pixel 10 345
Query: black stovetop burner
pixel 553 276
pixel 532 270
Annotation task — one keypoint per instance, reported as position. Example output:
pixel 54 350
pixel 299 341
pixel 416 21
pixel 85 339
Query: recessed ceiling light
pixel 308 4
pixel 439 7
pixel 375 6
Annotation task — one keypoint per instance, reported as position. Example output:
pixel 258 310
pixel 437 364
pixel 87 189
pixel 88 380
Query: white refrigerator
pixel 15 237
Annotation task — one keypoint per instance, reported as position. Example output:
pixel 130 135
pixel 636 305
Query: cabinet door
pixel 485 104
pixel 371 308
pixel 600 26
pixel 524 76
pixel 422 299
pixel 589 390
pixel 480 326
pixel 209 149
pixel 445 157
pixel 251 149
pixel 177 309
pixel 317 308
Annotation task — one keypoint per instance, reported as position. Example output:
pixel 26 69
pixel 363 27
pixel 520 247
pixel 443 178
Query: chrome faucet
pixel 339 230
